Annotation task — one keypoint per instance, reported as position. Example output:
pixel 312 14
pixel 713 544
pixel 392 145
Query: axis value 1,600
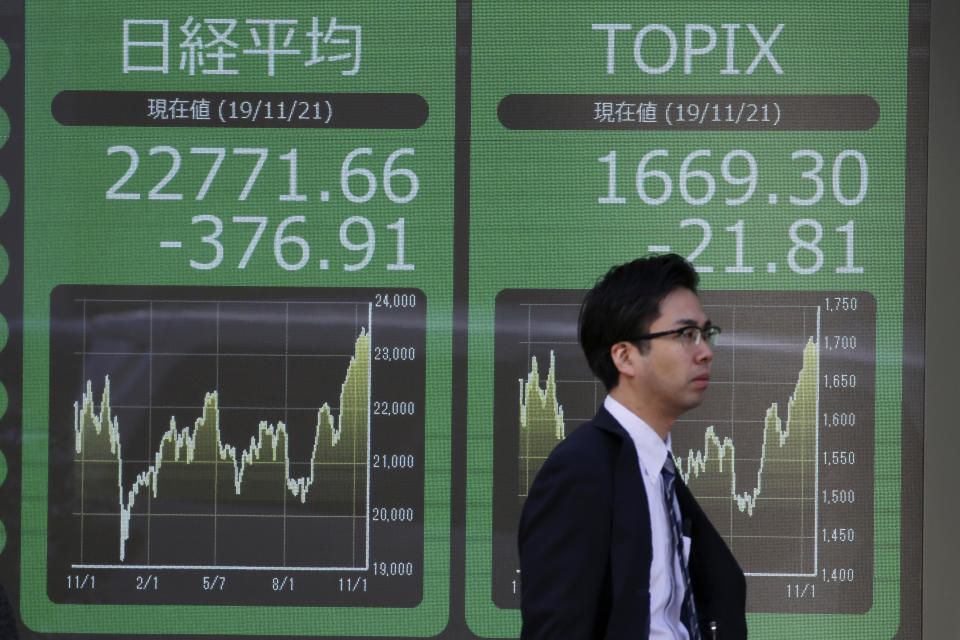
pixel 291 251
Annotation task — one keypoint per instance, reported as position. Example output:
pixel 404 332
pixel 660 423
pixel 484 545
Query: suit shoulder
pixel 587 447
pixel 577 477
pixel 590 435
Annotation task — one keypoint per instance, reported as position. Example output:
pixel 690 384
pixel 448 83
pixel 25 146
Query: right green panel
pixel 766 143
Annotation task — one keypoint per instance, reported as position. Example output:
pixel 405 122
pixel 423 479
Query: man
pixel 602 532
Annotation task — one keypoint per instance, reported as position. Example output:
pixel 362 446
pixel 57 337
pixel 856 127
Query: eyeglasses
pixel 689 336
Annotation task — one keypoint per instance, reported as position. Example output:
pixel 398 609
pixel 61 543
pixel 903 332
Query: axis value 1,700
pixel 292 251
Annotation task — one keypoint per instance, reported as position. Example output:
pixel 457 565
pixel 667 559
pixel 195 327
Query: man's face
pixel 673 377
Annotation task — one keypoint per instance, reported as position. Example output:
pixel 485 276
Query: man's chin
pixel 695 400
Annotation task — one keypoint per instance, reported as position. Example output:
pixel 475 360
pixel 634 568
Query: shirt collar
pixel 651 449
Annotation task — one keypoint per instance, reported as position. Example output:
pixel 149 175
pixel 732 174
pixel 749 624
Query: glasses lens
pixel 690 337
pixel 710 334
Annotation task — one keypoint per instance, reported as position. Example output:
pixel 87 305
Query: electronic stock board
pixel 290 299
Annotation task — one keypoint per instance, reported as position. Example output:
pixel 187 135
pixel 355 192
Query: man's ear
pixel 625 358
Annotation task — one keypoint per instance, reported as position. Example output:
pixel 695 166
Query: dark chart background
pixel 273 356
pixel 795 536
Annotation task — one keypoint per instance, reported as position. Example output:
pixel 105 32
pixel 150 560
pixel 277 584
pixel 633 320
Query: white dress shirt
pixel 666 578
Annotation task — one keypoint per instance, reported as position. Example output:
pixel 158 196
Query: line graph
pixel 211 430
pixel 740 492
pixel 340 445
pixel 541 421
pixel 752 453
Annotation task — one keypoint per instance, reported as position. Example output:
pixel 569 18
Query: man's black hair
pixel 623 305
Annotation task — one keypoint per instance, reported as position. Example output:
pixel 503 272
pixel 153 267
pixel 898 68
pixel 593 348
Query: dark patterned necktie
pixel 688 611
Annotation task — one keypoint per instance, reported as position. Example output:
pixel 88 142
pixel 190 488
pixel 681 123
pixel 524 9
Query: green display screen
pixel 291 297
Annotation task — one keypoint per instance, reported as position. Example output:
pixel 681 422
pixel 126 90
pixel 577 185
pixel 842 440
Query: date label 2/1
pixel 148 582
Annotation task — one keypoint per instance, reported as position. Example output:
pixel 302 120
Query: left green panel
pixel 237 318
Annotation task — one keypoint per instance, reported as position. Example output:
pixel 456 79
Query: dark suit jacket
pixel 585 548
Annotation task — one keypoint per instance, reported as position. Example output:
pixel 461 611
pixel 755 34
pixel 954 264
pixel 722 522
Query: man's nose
pixel 704 352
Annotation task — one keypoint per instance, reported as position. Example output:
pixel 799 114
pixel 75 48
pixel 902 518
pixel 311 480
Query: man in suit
pixel 612 543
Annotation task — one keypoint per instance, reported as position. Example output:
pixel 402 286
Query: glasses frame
pixel 711 340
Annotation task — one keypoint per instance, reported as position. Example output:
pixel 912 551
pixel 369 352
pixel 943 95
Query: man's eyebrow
pixel 690 322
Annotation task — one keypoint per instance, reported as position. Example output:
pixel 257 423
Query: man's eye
pixel 689 333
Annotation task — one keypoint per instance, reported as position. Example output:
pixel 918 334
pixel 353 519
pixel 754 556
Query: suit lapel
pixel 631 546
